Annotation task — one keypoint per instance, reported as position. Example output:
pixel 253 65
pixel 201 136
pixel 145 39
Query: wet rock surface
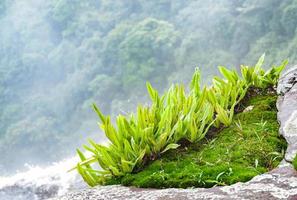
pixel 280 183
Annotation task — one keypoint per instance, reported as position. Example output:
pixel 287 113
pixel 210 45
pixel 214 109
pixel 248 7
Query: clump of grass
pixel 173 117
pixel 250 146
pixel 295 163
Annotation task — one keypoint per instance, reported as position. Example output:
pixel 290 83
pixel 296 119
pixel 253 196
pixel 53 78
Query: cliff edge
pixel 280 183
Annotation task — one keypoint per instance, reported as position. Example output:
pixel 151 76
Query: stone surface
pixel 287 80
pixel 280 183
pixel 287 111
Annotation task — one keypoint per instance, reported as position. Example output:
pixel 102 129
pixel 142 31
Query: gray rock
pixel 287 80
pixel 290 133
pixel 287 111
pixel 280 183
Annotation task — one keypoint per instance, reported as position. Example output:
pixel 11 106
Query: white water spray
pixel 41 183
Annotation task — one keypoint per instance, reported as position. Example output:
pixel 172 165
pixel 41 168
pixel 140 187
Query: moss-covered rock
pixel 250 146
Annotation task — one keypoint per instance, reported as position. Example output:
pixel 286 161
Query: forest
pixel 57 57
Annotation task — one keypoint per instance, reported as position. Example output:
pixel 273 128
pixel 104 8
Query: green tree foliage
pixel 146 47
pixel 289 14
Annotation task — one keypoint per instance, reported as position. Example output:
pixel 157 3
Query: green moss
pixel 250 146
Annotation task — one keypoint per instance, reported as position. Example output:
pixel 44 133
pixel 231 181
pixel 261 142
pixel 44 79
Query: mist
pixel 58 57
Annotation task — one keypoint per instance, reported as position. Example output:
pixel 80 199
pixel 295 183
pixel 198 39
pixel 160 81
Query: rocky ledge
pixel 280 183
